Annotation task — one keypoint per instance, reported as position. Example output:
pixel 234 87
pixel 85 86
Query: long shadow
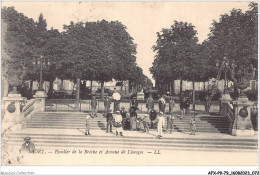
pixel 220 123
pixel 101 125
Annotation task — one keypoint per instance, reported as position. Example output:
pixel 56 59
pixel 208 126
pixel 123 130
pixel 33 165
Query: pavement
pixel 152 133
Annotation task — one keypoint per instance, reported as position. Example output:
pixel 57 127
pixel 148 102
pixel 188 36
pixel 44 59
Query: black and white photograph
pixel 87 83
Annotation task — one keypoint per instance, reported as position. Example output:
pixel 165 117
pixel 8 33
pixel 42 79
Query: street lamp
pixel 41 63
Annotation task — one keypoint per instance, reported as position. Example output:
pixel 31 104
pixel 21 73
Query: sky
pixel 142 19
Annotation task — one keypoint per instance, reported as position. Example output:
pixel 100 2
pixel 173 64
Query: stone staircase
pixel 52 130
pixel 68 120
pixel 63 141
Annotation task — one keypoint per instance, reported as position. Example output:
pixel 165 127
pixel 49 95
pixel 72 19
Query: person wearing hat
pixel 162 103
pixel 134 104
pixel 109 118
pixel 28 146
pixel 171 117
pixel 153 116
pixel 123 114
pixel 88 124
pixel 145 123
pixel 160 125
pixel 118 122
pixel 149 103
pixel 107 103
pixel 94 106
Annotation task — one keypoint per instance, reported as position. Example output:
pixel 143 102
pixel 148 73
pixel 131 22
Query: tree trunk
pixel 102 90
pixel 91 87
pixel 125 88
pixel 204 86
pixel 173 88
pixel 180 86
pixel 61 85
pixel 193 95
pixel 77 93
pixel 50 92
pixel 122 85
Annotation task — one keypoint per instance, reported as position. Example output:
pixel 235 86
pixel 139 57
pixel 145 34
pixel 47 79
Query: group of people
pixel 122 120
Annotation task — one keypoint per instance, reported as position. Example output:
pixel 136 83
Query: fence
pixel 73 105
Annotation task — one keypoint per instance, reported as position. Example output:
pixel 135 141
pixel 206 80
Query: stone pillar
pixel 12 107
pixel 242 125
pixel 40 98
pixel 224 101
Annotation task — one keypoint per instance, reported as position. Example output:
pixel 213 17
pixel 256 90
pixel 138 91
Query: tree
pixel 18 43
pixel 99 51
pixel 235 34
pixel 175 48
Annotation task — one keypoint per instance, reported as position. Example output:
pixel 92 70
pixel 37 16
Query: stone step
pixel 142 143
pixel 104 125
pixel 104 121
pixel 104 128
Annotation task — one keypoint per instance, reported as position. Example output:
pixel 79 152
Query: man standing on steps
pixel 123 114
pixel 162 103
pixel 107 103
pixel 149 104
pixel 153 116
pixel 109 118
pixel 171 117
pixel 134 104
pixel 94 107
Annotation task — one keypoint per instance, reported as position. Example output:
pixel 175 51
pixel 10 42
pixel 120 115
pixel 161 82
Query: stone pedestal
pixel 224 101
pixel 12 107
pixel 242 125
pixel 40 98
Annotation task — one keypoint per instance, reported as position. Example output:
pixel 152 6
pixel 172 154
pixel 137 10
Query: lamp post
pixel 41 63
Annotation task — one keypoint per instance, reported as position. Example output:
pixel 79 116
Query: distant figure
pixel 207 103
pixel 162 103
pixel 109 118
pixel 94 106
pixel 153 116
pixel 134 104
pixel 160 125
pixel 145 121
pixel 133 117
pixel 187 106
pixel 107 103
pixel 28 146
pixel 182 105
pixel 118 123
pixel 123 114
pixel 149 103
pixel 116 97
pixel 192 126
pixel 171 117
pixel 88 124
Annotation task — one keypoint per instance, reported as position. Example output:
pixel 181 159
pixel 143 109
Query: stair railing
pixel 230 115
pixel 29 109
